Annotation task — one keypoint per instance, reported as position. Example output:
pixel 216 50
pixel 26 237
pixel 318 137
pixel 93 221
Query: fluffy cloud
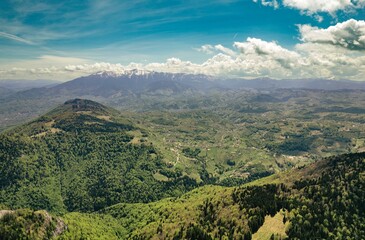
pixel 270 3
pixel 334 52
pixel 210 49
pixel 225 50
pixel 255 46
pixel 349 34
pixel 316 6
pixel 313 6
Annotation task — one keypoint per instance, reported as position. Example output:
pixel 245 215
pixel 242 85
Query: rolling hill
pixel 324 200
pixel 4 92
pixel 82 156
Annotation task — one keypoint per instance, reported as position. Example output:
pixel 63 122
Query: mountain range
pixel 111 84
pixel 132 89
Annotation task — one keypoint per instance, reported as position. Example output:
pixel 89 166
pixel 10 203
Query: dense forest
pixel 71 160
pixel 326 205
pixel 320 203
pixel 331 206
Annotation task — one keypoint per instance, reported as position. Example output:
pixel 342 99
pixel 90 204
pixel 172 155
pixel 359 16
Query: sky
pixel 281 39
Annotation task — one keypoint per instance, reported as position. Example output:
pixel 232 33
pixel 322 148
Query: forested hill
pixel 82 156
pixel 322 201
pixel 76 115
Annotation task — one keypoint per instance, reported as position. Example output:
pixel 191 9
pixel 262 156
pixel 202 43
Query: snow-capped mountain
pixel 130 73
pixel 135 81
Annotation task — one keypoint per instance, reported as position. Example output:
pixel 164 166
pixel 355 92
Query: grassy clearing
pixel 272 225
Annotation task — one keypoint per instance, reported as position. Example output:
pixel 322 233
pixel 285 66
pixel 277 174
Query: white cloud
pixel 334 52
pixel 219 48
pixel 349 34
pixel 225 50
pixel 316 6
pixel 313 6
pixel 260 47
pixel 268 3
pixel 207 49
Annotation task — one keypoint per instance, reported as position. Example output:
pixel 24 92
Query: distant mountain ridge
pixel 134 81
pixel 144 81
pixel 314 84
pixel 21 85
pixel 109 84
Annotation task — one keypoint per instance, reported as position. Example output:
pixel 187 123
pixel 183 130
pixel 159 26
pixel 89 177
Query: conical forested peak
pixel 77 115
pixel 81 106
pixel 78 104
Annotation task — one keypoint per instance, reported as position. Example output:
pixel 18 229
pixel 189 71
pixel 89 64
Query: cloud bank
pixel 334 52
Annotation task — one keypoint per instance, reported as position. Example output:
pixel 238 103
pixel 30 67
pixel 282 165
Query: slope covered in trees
pixel 323 201
pixel 331 206
pixel 28 224
pixel 81 157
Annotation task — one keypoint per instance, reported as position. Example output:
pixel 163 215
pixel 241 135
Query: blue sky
pixel 38 39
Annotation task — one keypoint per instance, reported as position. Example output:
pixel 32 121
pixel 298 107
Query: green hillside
pixel 82 156
pixel 326 204
pixel 319 203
